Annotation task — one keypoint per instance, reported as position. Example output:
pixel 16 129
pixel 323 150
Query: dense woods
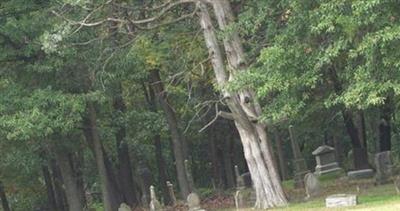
pixel 100 99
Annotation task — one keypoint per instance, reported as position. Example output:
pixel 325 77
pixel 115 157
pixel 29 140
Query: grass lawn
pixel 370 197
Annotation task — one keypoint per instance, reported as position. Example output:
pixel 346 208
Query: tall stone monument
pixel 300 166
pixel 326 160
pixel 171 193
pixel 154 203
pixel 383 163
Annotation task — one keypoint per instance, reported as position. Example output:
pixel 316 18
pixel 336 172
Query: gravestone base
pixel 328 168
pixel 361 174
pixel 341 200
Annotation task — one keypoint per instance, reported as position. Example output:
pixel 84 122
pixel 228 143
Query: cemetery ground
pixel 370 196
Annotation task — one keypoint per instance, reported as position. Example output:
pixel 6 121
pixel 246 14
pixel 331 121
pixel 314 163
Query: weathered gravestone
pixel 300 166
pixel 154 203
pixel 171 193
pixel 341 200
pixel 189 176
pixel 360 174
pixel 384 167
pixel 124 207
pixel 312 185
pixel 326 161
pixel 193 201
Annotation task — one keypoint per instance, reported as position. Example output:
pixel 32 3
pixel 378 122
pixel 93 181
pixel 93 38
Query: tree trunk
pixel 109 203
pixel 244 108
pixel 3 198
pixel 177 137
pixel 227 159
pixel 77 161
pixel 60 196
pixel 75 203
pixel 360 153
pixel 215 161
pixel 51 199
pixel 385 128
pixel 283 167
pixel 125 176
pixel 162 172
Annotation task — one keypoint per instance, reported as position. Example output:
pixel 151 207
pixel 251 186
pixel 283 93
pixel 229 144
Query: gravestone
pixel 189 176
pixel 239 179
pixel 326 161
pixel 154 203
pixel 341 200
pixel 312 185
pixel 300 166
pixel 171 193
pixel 384 167
pixel 193 201
pixel 360 174
pixel 124 207
pixel 248 183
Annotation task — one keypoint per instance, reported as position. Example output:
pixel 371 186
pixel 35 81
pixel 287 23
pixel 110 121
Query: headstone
pixel 248 183
pixel 154 203
pixel 360 174
pixel 312 185
pixel 341 200
pixel 384 167
pixel 171 193
pixel 239 179
pixel 189 175
pixel 124 207
pixel 326 161
pixel 193 201
pixel 300 166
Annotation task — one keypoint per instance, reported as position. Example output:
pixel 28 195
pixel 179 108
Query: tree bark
pixel 385 127
pixel 360 153
pixel 75 203
pixel 51 199
pixel 3 197
pixel 244 107
pixel 177 137
pixel 227 159
pixel 110 204
pixel 162 172
pixel 125 176
pixel 60 196
pixel 283 167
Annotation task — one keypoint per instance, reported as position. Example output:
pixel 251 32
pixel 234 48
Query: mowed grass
pixel 370 197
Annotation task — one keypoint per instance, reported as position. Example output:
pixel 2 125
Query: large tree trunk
pixel 385 129
pixel 360 153
pixel 3 198
pixel 245 109
pixel 110 204
pixel 283 167
pixel 227 160
pixel 75 203
pixel 51 199
pixel 125 176
pixel 60 196
pixel 177 137
pixel 162 171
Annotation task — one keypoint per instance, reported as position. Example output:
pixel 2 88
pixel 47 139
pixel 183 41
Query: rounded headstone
pixel 312 185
